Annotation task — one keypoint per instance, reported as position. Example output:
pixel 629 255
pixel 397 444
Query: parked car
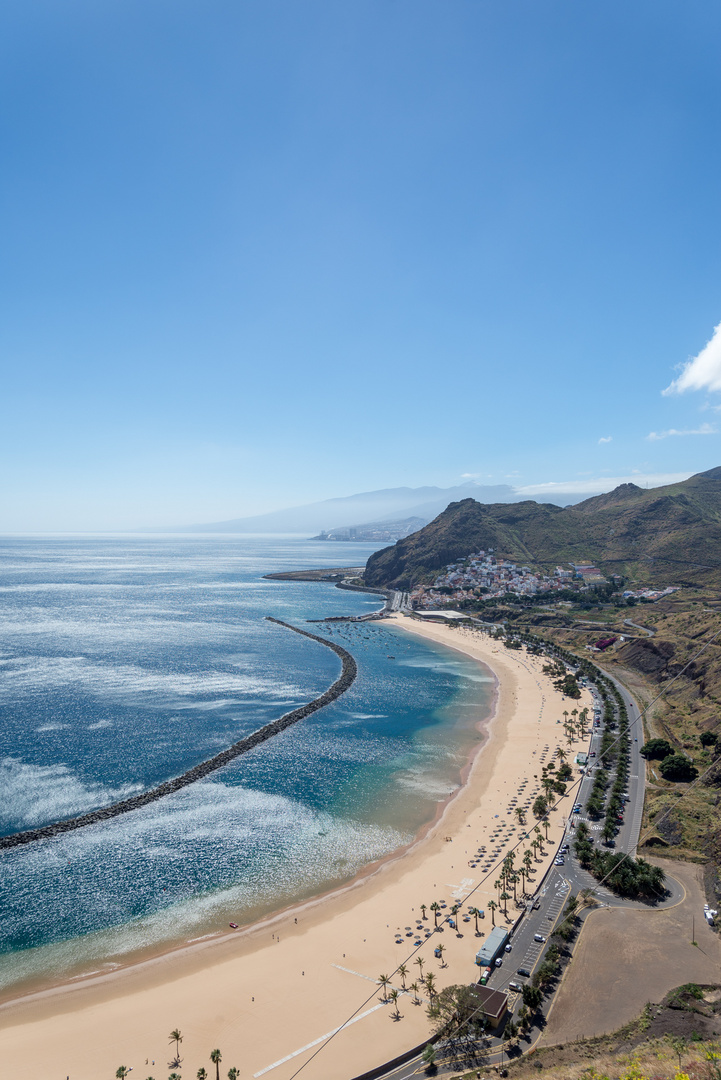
pixel 523 971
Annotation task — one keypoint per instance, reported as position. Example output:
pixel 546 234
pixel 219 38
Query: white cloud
pixel 605 439
pixel 604 483
pixel 702 372
pixel 705 429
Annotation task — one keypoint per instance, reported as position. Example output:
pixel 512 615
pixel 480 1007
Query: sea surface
pixel 125 660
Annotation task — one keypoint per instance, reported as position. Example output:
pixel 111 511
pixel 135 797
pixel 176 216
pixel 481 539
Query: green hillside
pixel 671 534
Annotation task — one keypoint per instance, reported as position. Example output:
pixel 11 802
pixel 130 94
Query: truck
pixel 494 944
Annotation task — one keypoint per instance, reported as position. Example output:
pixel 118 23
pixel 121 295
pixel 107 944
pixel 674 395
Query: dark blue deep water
pixel 124 661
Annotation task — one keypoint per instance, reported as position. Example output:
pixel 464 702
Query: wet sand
pixel 269 996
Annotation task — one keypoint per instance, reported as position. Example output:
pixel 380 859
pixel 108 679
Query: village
pixel 482 576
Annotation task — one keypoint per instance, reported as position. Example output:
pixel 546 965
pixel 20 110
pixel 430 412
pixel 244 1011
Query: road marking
pixel 310 1045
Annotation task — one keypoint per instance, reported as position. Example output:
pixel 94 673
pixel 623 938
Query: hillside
pixel 671 533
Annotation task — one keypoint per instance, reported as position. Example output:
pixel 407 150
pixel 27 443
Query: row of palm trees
pixel 175 1036
pixel 575 727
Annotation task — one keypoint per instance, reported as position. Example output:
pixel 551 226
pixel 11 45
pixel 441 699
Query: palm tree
pixel 403 971
pixel 121 1072
pixel 546 823
pixel 216 1057
pixel 414 988
pixel 394 998
pixel 431 985
pixel 233 1073
pixel 441 949
pixel 513 880
pixel 521 815
pixel 505 897
pixel 562 755
pixel 522 872
pixel 420 961
pixel 177 1038
pixel 435 908
pixel 385 983
pixel 474 912
pixel 423 909
pixel 492 905
pixel 174 1076
pixel 202 1074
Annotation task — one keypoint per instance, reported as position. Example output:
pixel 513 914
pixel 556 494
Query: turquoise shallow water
pixel 124 661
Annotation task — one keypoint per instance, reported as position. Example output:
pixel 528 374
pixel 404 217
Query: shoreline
pixel 321 967
pixel 37 988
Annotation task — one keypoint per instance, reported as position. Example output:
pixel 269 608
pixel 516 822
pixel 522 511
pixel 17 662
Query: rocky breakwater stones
pixel 348 673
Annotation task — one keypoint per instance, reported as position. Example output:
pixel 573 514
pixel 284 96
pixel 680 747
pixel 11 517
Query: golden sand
pixel 268 997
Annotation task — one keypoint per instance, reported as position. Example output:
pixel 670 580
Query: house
pixel 493 1003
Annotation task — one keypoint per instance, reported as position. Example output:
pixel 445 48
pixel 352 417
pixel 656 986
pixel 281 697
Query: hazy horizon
pixel 258 256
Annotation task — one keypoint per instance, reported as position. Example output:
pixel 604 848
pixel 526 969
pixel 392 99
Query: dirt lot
pixel 625 958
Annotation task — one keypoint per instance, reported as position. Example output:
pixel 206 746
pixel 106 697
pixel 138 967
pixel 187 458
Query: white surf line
pixel 322 1038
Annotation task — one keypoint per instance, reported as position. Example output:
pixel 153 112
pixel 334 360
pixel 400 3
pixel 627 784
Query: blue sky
pixel 261 253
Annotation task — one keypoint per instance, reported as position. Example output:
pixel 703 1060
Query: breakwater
pixel 349 670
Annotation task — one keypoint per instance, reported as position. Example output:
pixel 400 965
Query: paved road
pixel 628 622
pixel 560 883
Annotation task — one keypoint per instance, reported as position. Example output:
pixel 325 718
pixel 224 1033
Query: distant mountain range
pixel 364 511
pixel 672 534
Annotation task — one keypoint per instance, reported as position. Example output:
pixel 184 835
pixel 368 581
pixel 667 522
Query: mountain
pixel 362 510
pixel 672 533
pixel 388 504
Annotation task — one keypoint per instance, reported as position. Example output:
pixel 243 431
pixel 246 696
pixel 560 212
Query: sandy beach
pixel 268 997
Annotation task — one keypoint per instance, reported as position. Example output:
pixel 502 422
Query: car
pixel 539 937
pixel 564 847
pixel 508 948
pixel 523 971
pixel 499 961
pixel 577 809
pixel 536 906
pixel 515 986
pixel 559 862
pixel 592 754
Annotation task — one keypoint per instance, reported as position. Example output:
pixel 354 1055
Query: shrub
pixel 656 748
pixel 678 767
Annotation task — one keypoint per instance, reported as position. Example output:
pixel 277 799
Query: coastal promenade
pixel 300 989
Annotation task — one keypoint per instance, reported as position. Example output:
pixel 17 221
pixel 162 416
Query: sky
pixel 257 253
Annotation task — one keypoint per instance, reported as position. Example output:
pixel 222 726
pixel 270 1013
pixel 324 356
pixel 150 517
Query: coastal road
pixel 545 911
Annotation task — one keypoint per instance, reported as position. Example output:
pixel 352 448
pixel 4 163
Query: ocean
pixel 127 659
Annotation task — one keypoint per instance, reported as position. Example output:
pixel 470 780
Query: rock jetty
pixel 348 673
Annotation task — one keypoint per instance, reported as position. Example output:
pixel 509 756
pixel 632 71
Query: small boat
pixel 233 925
pixel 390 657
